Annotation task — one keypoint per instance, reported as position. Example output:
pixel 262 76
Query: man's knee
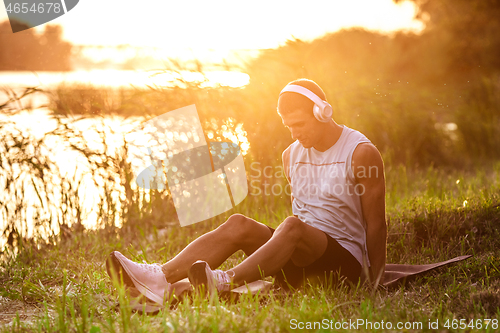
pixel 245 233
pixel 291 227
pixel 236 225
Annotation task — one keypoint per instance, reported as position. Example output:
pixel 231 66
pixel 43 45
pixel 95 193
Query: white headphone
pixel 321 110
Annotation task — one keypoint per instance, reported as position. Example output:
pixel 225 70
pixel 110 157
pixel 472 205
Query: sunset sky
pixel 223 25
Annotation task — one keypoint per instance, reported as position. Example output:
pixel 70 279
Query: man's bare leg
pixel 293 239
pixel 237 233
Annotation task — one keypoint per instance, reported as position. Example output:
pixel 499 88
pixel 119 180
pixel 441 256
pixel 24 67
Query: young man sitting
pixel 338 203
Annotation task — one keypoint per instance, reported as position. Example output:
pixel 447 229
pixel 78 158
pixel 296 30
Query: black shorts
pixel 336 262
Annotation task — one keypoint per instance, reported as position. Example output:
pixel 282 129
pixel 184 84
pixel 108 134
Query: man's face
pixel 303 127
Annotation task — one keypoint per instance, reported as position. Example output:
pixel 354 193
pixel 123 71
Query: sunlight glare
pixel 212 29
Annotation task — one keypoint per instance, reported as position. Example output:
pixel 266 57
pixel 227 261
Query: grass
pixel 64 286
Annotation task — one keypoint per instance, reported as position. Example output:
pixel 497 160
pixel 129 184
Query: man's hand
pixel 368 169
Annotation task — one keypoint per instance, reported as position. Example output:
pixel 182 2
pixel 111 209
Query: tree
pixel 26 50
pixel 467 30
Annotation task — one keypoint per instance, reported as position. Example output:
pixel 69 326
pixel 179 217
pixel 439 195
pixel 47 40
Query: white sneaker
pixel 147 278
pixel 200 274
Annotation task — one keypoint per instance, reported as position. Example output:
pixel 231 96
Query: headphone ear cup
pixel 323 114
pixel 317 112
pixel 328 111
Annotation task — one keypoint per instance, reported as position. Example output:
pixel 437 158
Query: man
pixel 338 202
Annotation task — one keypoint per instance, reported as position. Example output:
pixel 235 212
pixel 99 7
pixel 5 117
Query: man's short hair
pixel 293 101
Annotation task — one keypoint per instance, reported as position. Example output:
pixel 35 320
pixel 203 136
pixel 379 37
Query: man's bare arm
pixel 368 169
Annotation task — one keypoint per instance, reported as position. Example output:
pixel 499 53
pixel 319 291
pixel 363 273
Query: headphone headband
pixel 321 110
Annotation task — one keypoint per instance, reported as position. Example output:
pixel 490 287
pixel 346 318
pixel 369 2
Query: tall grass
pixel 40 200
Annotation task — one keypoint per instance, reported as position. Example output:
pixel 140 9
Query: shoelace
pixel 155 268
pixel 222 279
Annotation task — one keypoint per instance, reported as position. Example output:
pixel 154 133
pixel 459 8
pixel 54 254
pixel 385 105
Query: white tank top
pixel 325 192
